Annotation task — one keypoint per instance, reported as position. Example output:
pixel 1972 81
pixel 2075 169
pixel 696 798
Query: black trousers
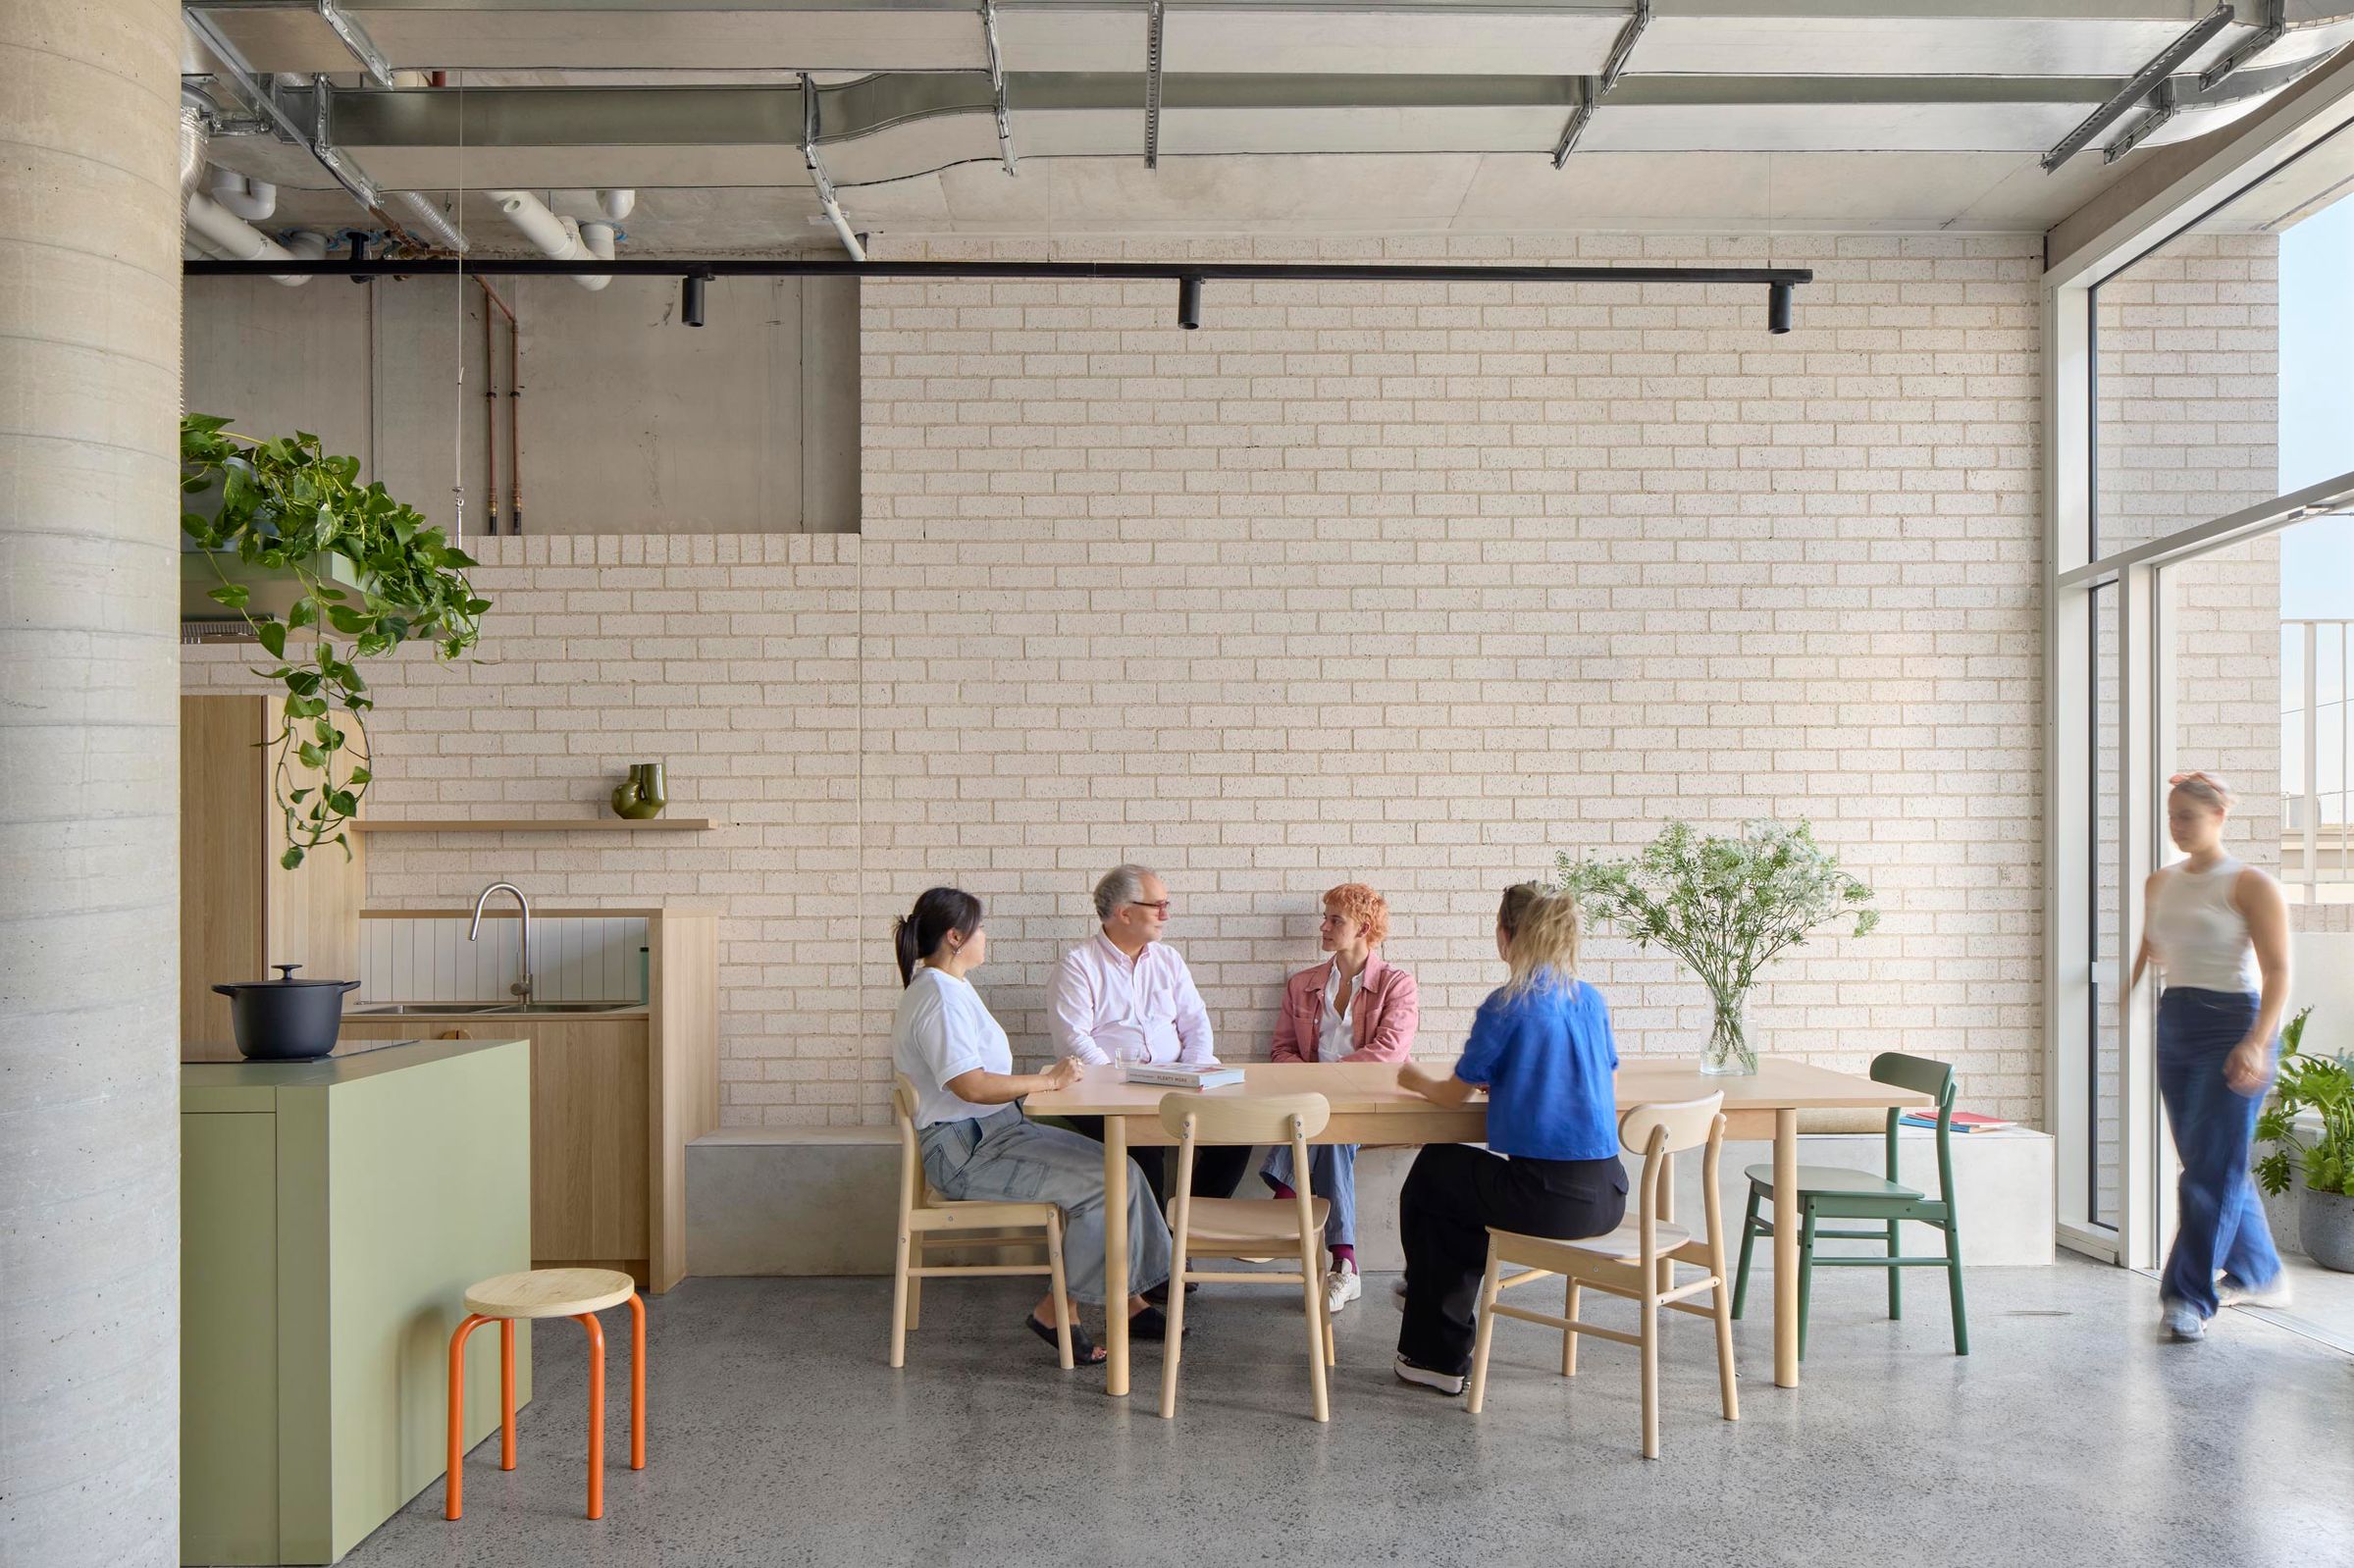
pixel 1218 1168
pixel 1453 1193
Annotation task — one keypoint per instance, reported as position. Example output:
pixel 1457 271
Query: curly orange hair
pixel 1354 901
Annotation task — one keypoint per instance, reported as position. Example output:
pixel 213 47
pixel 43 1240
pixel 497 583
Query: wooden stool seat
pixel 1623 1243
pixel 575 1294
pixel 551 1294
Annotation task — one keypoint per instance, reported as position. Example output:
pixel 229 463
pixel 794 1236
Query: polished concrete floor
pixel 2071 1435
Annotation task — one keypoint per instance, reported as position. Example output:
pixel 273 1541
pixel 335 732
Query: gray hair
pixel 1121 884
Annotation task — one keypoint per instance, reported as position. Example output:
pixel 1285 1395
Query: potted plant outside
pixel 1727 907
pixel 367 574
pixel 2323 1085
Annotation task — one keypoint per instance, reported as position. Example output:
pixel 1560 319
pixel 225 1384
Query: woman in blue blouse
pixel 1542 1050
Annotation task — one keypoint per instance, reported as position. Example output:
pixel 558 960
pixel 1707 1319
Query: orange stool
pixel 576 1293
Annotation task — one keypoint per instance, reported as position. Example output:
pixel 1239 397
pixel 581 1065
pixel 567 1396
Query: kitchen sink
pixel 572 1007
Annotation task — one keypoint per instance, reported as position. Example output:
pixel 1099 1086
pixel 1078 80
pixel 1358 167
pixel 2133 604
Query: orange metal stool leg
pixel 588 1321
pixel 507 1393
pixel 637 1382
pixel 454 1504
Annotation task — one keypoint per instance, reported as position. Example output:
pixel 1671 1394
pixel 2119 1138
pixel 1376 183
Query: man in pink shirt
pixel 1125 995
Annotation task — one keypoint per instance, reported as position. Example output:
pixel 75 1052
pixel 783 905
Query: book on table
pixel 1961 1122
pixel 1180 1074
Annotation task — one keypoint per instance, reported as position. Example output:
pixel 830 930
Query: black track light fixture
pixel 1777 308
pixel 690 297
pixel 1189 302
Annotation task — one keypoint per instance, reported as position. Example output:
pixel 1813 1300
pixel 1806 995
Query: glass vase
pixel 1728 1050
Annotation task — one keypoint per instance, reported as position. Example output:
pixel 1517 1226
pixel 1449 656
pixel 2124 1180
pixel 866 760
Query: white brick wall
pixel 1409 582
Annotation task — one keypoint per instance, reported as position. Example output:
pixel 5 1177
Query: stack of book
pixel 1180 1074
pixel 1962 1120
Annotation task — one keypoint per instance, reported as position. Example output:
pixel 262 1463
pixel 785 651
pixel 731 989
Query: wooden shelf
pixel 535 824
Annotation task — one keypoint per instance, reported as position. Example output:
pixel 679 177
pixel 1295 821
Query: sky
pixel 2317 406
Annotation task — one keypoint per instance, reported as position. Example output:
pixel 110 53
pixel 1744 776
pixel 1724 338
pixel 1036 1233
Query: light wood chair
pixel 927 1220
pixel 576 1293
pixel 1247 1227
pixel 1636 1260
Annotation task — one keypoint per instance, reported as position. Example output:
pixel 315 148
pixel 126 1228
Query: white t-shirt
pixel 943 1031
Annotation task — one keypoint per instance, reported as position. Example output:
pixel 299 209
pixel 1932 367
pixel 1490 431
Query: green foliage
pixel 2319 1083
pixel 287 506
pixel 1725 905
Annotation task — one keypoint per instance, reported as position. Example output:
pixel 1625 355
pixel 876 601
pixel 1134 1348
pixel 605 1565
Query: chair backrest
pixel 1685 1122
pixel 1923 1075
pixel 1243 1117
pixel 913 1191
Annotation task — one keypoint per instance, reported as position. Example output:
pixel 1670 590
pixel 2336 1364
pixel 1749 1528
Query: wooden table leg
pixel 1115 1256
pixel 1786 1248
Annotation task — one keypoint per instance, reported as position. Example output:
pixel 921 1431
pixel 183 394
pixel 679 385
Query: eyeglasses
pixel 1160 906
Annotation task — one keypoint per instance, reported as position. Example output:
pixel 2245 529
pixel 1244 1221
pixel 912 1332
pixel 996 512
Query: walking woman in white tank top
pixel 2218 931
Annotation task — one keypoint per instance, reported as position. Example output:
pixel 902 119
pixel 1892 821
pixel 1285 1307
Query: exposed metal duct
pixel 429 218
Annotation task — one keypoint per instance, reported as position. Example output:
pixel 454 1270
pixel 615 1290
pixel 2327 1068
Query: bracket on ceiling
pixel 2274 28
pixel 997 84
pixel 2139 87
pixel 1592 89
pixel 1153 19
pixel 2162 109
pixel 817 173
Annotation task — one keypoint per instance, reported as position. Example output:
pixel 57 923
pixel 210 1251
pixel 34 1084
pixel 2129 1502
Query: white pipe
pixel 238 240
pixel 597 238
pixel 559 239
pixel 250 200
pixel 616 204
pixel 850 240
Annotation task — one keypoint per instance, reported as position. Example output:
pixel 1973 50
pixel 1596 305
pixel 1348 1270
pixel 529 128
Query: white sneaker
pixel 1424 1377
pixel 2183 1322
pixel 1341 1288
pixel 2230 1292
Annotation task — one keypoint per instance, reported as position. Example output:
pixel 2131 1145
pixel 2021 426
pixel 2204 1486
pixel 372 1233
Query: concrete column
pixel 89 856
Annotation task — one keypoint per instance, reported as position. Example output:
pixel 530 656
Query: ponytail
pixel 917 934
pixel 1541 935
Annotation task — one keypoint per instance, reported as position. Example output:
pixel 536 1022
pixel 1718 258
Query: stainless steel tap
pixel 522 986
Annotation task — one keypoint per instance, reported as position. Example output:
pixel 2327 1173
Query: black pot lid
pixel 285 977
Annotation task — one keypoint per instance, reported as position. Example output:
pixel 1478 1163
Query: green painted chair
pixel 1830 1192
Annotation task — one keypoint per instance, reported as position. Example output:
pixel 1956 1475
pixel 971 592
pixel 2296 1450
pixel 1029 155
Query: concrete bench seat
pixel 823 1200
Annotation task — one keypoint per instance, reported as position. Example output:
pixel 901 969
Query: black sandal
pixel 1150 1324
pixel 1083 1350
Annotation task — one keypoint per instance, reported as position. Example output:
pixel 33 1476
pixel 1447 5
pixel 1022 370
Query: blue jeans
pixel 1332 1176
pixel 2219 1218
pixel 1005 1155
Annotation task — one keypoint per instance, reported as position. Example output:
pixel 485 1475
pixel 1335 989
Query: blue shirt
pixel 1547 1055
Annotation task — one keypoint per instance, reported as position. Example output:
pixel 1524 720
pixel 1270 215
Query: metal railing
pixel 2317 752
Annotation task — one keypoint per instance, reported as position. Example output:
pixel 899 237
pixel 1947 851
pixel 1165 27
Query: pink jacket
pixel 1385 1014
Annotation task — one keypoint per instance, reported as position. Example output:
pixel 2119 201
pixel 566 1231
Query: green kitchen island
pixel 333 1214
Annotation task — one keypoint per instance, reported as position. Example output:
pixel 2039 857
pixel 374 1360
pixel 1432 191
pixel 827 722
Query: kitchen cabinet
pixel 615 1099
pixel 333 1214
pixel 240 911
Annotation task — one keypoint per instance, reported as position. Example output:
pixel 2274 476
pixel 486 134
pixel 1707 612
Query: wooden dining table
pixel 1368 1108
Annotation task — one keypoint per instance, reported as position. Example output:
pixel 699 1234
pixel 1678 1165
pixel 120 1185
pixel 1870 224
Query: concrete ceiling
pixel 1277 115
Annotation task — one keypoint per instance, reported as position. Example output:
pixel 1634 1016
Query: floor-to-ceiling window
pixel 2203 582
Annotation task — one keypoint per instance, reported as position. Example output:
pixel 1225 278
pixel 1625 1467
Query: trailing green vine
pixel 285 506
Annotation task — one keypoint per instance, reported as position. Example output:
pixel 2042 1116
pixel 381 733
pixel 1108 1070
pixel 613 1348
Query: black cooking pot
pixel 286 1019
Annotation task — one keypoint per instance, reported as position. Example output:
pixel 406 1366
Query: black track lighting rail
pixel 1189 276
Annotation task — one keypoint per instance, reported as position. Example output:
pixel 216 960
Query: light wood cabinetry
pixel 614 1103
pixel 240 911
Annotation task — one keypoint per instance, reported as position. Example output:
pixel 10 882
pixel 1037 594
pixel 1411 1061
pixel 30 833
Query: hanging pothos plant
pixel 371 574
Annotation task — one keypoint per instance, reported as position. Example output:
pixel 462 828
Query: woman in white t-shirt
pixel 975 1142
pixel 2218 931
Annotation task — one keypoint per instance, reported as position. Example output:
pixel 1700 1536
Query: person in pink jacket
pixel 1350 1008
